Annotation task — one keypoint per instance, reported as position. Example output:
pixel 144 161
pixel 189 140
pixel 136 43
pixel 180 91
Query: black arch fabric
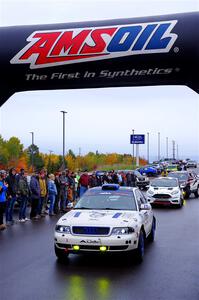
pixel 160 50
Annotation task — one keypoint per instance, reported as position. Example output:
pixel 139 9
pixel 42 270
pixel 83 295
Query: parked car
pixel 191 164
pixel 148 170
pixel 141 181
pixel 172 168
pixel 110 219
pixel 188 181
pixel 165 191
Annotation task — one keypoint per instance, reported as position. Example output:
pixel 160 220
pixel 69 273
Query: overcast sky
pixel 100 119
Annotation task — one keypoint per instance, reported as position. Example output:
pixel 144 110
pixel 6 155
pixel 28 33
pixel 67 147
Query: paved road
pixel 170 271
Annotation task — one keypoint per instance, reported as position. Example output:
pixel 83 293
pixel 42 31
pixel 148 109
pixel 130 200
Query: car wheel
pixel 139 252
pixel 61 254
pixel 187 192
pixel 196 193
pixel 151 236
pixel 180 205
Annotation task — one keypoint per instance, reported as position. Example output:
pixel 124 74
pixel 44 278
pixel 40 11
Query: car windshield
pixel 164 182
pixel 179 176
pixel 112 200
pixel 171 167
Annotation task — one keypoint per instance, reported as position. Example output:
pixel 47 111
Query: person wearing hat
pixel 52 192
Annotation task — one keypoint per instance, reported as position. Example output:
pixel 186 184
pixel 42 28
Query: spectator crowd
pixel 48 194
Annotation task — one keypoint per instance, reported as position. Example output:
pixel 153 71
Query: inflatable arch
pixel 160 50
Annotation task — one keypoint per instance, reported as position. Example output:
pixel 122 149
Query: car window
pixel 140 198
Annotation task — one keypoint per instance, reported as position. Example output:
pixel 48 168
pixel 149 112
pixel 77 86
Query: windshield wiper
pixel 82 207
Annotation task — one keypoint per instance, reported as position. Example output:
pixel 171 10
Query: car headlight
pixel 174 192
pixel 122 230
pixel 150 192
pixel 61 228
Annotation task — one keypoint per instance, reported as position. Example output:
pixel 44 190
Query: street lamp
pixel 32 162
pixel 133 148
pixel 167 147
pixel 148 147
pixel 63 112
pixel 158 146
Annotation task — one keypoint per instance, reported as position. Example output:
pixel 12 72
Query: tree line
pixel 13 154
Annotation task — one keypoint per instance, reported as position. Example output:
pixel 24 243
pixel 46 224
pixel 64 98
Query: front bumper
pixel 120 243
pixel 166 201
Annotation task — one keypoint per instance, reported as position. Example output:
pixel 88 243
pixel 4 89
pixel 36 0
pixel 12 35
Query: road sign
pixel 137 139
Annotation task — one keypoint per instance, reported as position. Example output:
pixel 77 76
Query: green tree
pixel 35 158
pixel 14 149
pixel 71 153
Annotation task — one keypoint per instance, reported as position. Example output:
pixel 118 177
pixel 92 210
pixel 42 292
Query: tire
pixel 196 193
pixel 139 252
pixel 187 192
pixel 151 236
pixel 180 205
pixel 61 254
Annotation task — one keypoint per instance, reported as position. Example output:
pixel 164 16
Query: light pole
pixel 32 160
pixel 158 146
pixel 63 112
pixel 173 143
pixel 167 147
pixel 148 147
pixel 133 147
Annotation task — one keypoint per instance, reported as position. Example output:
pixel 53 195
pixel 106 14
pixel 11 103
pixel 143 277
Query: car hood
pixel 163 190
pixel 80 217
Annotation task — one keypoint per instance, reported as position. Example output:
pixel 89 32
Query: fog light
pixel 76 247
pixel 103 248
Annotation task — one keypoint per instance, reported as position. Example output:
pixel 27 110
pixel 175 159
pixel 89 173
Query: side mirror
pixel 145 206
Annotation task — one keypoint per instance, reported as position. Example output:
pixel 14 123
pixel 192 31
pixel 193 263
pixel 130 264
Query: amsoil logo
pixel 59 47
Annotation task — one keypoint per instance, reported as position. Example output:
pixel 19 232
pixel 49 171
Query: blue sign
pixel 137 139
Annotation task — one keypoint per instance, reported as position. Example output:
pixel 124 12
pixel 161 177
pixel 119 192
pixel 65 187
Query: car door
pixel 147 215
pixel 194 181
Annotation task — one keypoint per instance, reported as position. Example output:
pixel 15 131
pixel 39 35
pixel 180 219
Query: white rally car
pixel 165 191
pixel 106 219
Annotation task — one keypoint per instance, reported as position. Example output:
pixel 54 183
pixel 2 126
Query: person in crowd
pixel 133 179
pixel 128 179
pixel 23 193
pixel 92 180
pixel 43 194
pixel 104 179
pixel 3 188
pixel 164 172
pixel 115 178
pixel 11 180
pixel 35 196
pixel 52 192
pixel 84 183
pixel 57 197
pixel 63 191
pixel 73 185
pixel 119 175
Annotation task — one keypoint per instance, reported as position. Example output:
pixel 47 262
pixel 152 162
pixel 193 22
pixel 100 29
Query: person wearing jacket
pixel 52 192
pixel 43 194
pixel 11 195
pixel 84 183
pixel 3 188
pixel 35 196
pixel 23 194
